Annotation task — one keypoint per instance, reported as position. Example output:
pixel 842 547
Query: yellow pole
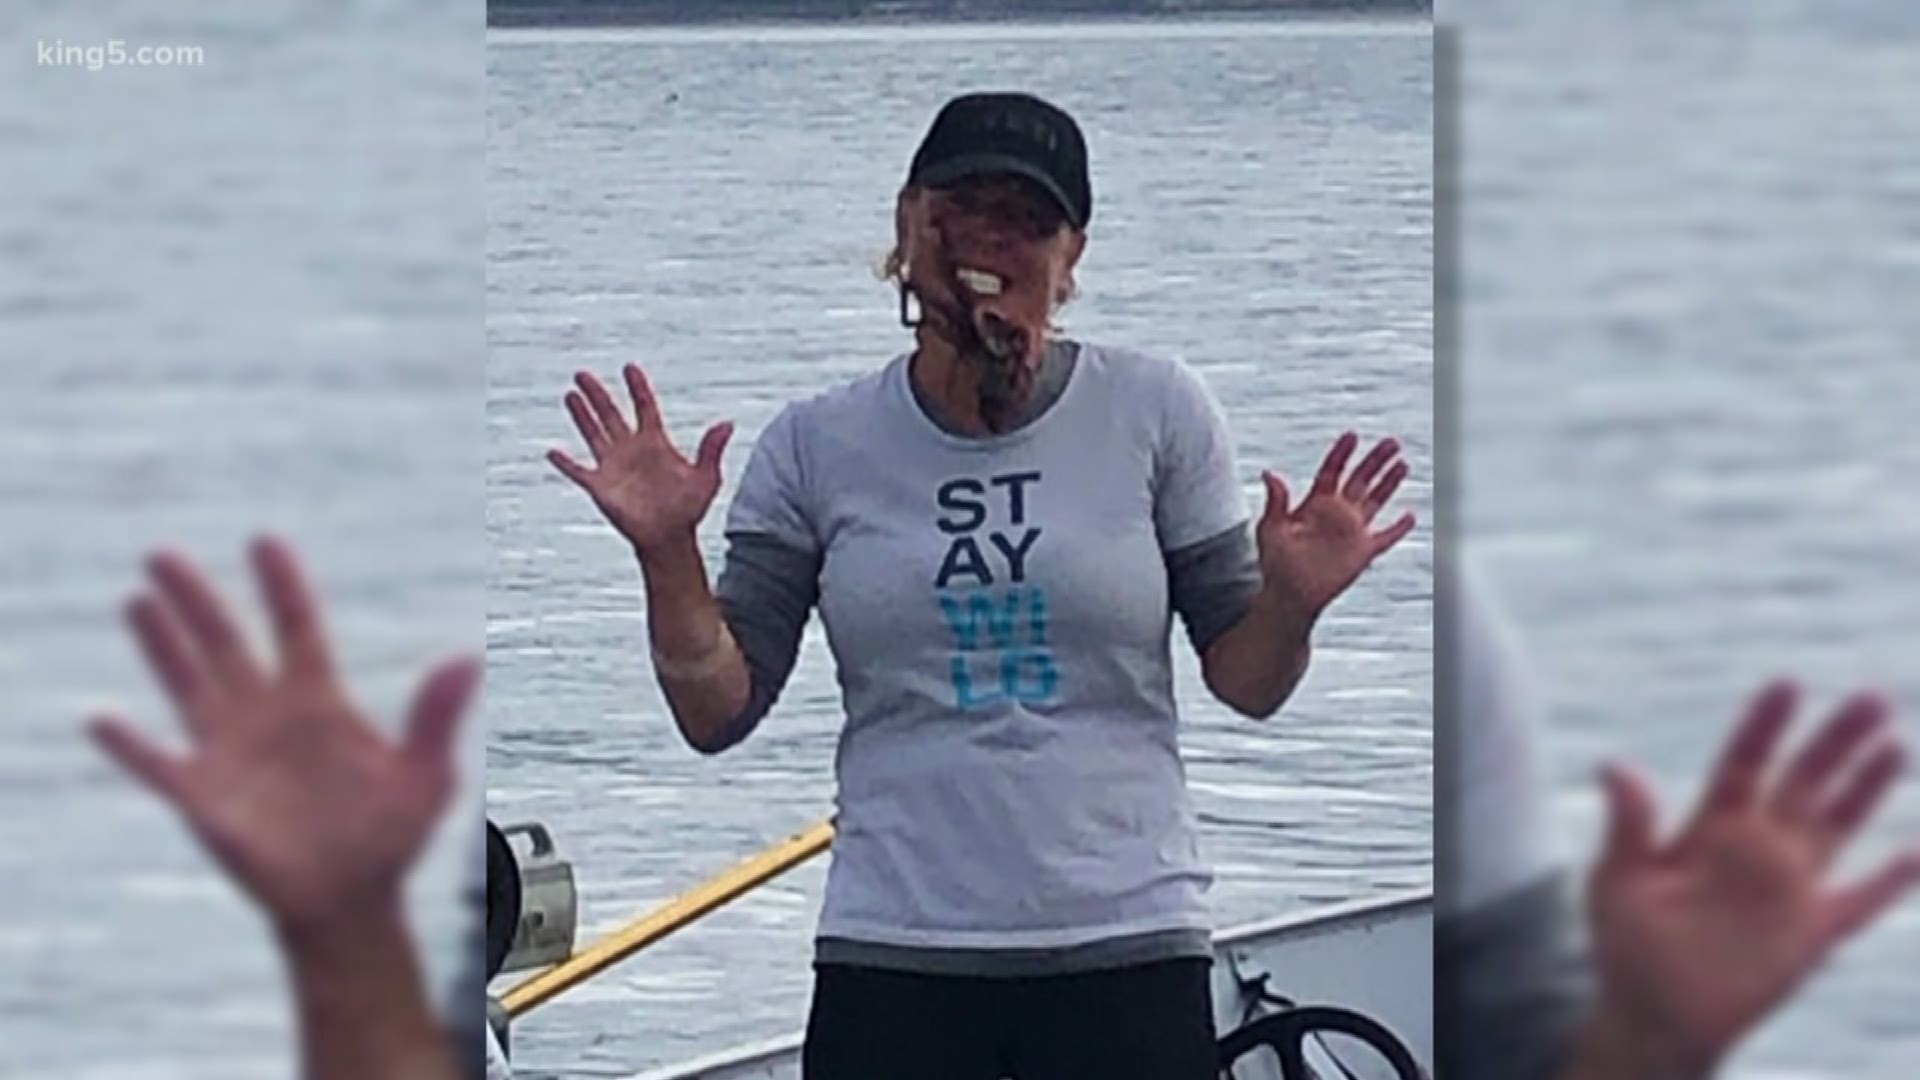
pixel 671 916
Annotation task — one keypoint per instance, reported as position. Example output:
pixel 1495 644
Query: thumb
pixel 1857 906
pixel 712 445
pixel 438 707
pixel 1279 502
pixel 1630 818
pixel 571 469
pixel 165 774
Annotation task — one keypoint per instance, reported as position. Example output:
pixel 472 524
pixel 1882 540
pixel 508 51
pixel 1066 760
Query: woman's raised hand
pixel 1312 552
pixel 646 487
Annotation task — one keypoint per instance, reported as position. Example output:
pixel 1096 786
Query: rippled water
pixel 711 204
pixel 1691 252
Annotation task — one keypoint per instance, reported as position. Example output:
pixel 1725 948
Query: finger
pixel 1376 500
pixel 1631 815
pixel 583 419
pixel 215 637
pixel 1279 500
pixel 1356 487
pixel 1385 539
pixel 171 656
pixel 161 772
pixel 712 445
pixel 297 625
pixel 1743 764
pixel 1816 766
pixel 1328 478
pixel 1843 815
pixel 605 409
pixel 571 469
pixel 646 407
pixel 438 707
pixel 1850 911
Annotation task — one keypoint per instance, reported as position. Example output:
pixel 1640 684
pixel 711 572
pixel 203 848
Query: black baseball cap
pixel 1008 134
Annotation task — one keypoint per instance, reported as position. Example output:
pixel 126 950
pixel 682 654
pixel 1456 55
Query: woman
pixel 997 529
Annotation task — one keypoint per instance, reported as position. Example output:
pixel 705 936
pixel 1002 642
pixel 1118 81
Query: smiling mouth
pixel 980 282
pixel 991 333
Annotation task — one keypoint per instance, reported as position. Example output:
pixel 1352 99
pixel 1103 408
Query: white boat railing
pixel 1372 956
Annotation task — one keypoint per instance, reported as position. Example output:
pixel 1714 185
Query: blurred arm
pixel 363 1007
pixel 1608 1048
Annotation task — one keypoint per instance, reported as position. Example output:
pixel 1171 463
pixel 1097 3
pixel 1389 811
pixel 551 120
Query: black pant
pixel 1147 1022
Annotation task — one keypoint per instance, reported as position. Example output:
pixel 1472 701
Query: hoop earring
pixel 908 320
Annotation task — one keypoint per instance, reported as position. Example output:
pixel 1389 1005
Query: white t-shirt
pixel 1509 945
pixel 999 613
pixel 1502 835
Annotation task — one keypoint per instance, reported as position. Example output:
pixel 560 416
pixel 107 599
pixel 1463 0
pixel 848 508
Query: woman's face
pixel 996 251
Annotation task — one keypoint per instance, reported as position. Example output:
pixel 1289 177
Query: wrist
pixel 344 934
pixel 1615 1044
pixel 1286 618
pixel 363 1005
pixel 670 560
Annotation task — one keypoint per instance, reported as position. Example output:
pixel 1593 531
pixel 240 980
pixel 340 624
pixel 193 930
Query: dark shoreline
pixel 608 14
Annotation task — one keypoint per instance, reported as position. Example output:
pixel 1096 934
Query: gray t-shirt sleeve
pixel 770 579
pixel 1199 512
pixel 1497 826
pixel 1196 482
pixel 467 1025
pixel 1213 583
pixel 1515 975
pixel 767 590
pixel 1514 984
pixel 774 498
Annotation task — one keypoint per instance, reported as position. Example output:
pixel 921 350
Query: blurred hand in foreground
pixel 313 811
pixel 1697 938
